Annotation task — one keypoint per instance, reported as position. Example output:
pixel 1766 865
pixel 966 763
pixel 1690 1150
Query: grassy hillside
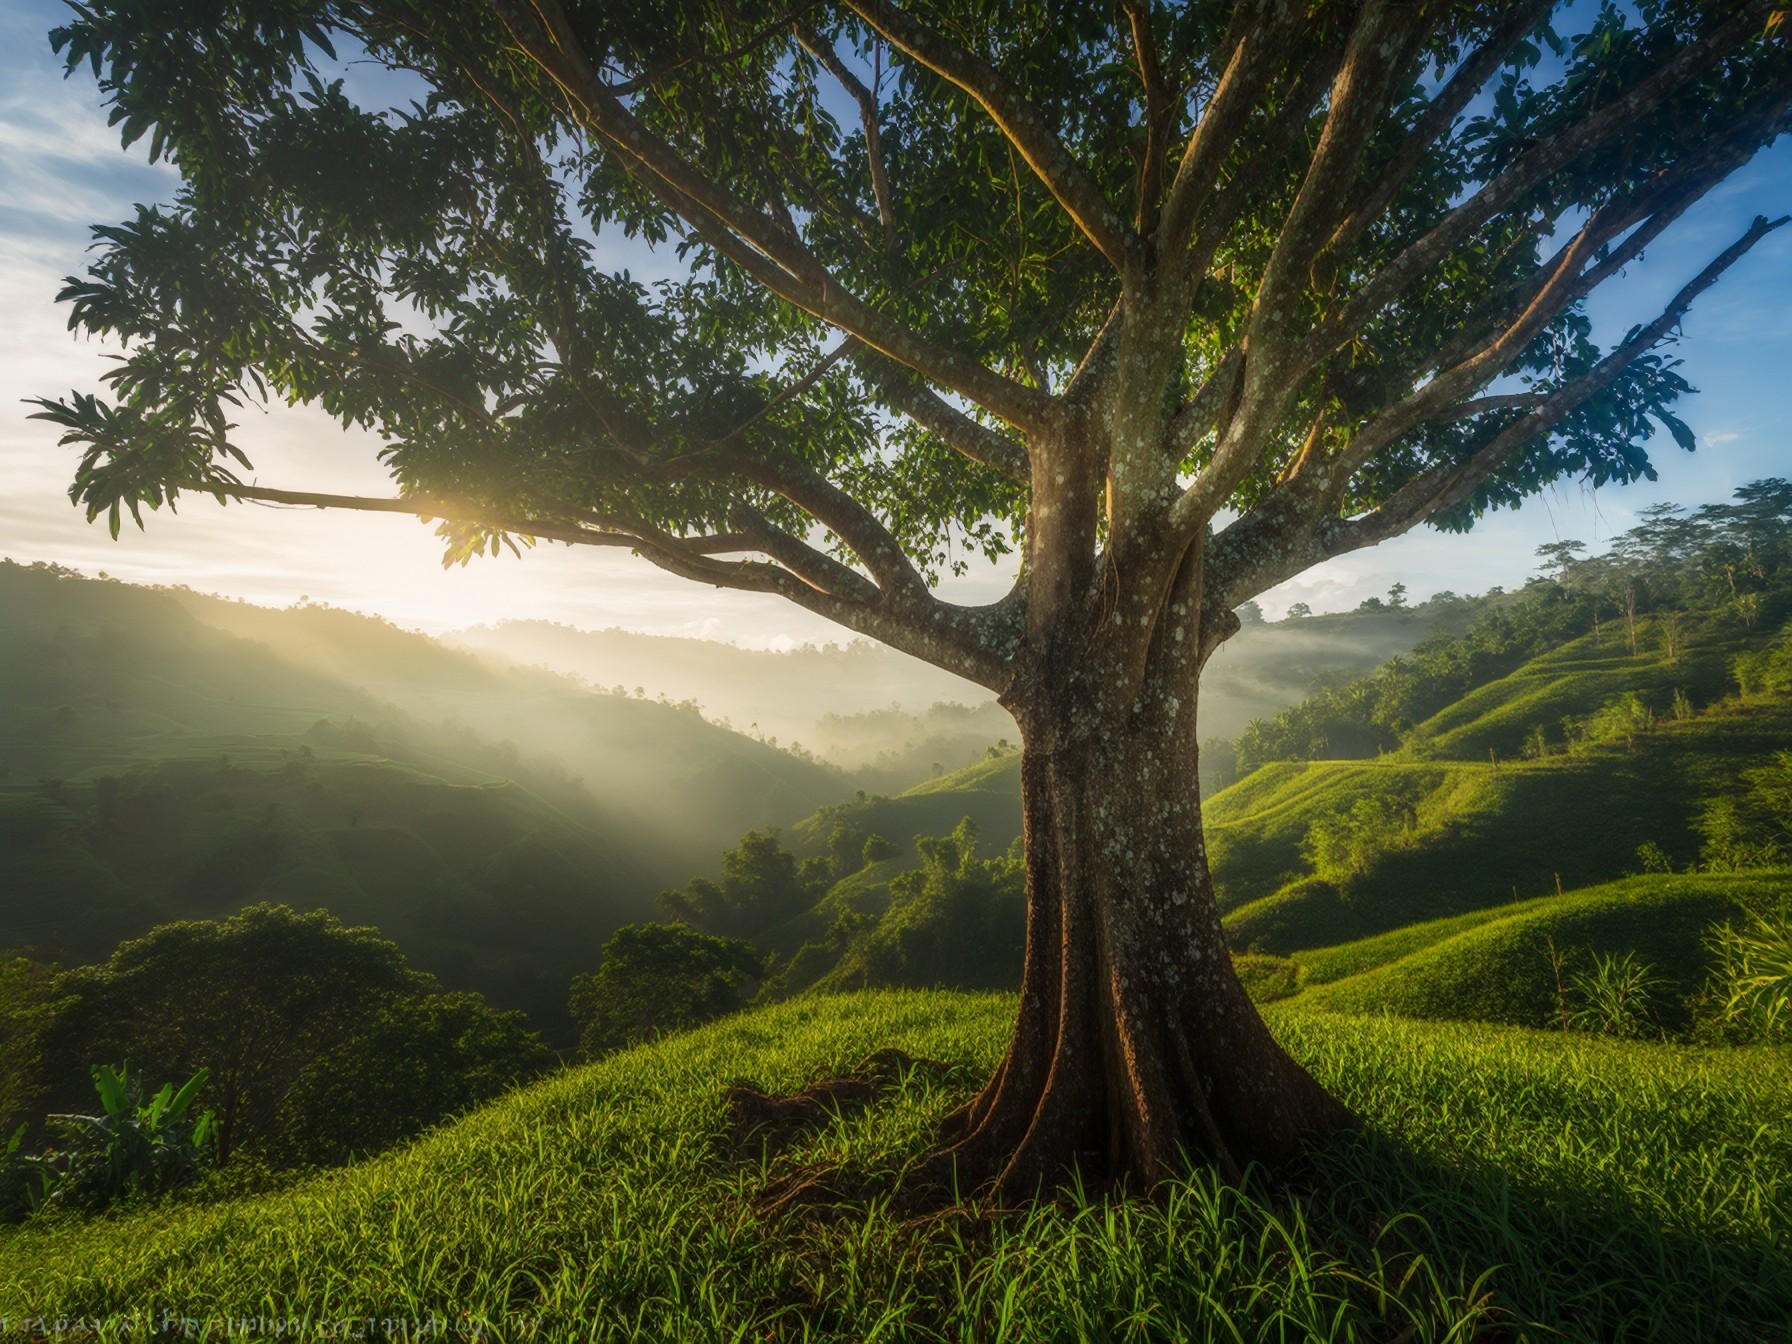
pixel 1494 965
pixel 1509 1184
pixel 1441 829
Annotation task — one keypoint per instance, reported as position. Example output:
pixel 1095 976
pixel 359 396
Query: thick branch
pixel 1207 407
pixel 934 414
pixel 834 509
pixel 768 252
pixel 1256 55
pixel 1439 115
pixel 1017 119
pixel 1380 45
pixel 1533 167
pixel 1160 109
pixel 969 641
pixel 1290 531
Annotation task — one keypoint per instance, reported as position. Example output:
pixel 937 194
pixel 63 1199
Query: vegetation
pixel 318 1041
pixel 659 978
pixel 1670 583
pixel 1507 1182
pixel 132 1148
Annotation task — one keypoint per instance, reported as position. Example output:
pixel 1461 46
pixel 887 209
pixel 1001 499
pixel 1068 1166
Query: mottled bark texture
pixel 1136 1050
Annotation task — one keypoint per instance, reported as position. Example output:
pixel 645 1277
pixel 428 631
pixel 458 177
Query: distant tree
pixel 877 849
pixel 656 978
pixel 846 848
pixel 956 921
pixel 254 998
pixel 762 885
pixel 1249 613
pixel 1177 300
pixel 261 1000
pixel 1299 611
pixel 1397 597
pixel 29 1003
pixel 1560 556
pixel 411 1062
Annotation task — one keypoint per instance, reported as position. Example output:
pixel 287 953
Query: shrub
pixel 1754 975
pixel 1265 978
pixel 130 1148
pixel 1615 997
pixel 657 978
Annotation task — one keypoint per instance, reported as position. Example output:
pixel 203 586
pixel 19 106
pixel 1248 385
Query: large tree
pixel 1176 300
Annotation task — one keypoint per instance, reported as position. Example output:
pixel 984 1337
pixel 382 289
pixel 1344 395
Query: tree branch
pixel 867 103
pixel 1207 407
pixel 1439 115
pixel 1289 532
pixel 767 251
pixel 1017 119
pixel 1160 108
pixel 1380 45
pixel 934 414
pixel 1532 167
pixel 1256 54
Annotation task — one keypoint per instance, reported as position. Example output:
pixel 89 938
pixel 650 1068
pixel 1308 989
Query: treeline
pixel 1728 561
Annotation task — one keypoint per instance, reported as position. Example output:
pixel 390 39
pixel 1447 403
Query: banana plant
pixel 131 1146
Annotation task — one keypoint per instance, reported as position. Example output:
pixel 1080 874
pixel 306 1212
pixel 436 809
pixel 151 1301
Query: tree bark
pixel 1136 1050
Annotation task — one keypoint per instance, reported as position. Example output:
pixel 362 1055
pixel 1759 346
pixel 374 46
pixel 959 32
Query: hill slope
pixel 1509 1181
pixel 1440 828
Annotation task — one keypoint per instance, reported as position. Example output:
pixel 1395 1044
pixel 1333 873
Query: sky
pixel 61 170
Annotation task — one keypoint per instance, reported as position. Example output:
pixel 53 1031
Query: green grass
pixel 1508 1181
pixel 1484 837
pixel 1495 967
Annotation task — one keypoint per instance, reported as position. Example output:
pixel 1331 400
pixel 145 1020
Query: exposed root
pixel 777 1122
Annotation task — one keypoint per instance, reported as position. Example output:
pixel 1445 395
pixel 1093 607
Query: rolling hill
pixel 167 755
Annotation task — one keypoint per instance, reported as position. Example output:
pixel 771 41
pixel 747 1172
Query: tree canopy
pixel 914 244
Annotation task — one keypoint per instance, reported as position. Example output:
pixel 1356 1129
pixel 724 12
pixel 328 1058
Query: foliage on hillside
pixel 1722 564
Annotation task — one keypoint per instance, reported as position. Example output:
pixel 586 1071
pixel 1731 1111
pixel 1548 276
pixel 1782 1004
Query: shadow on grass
pixel 1573 1263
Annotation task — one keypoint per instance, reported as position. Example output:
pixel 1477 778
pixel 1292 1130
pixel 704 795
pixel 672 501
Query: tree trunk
pixel 1136 1049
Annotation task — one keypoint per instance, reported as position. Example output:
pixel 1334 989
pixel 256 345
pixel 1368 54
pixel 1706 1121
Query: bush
pixel 658 978
pixel 1615 997
pixel 1753 976
pixel 300 1022
pixel 1265 978
pixel 415 1063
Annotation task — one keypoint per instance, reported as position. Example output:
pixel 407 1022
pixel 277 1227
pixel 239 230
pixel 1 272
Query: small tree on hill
pixel 1175 300
pixel 656 978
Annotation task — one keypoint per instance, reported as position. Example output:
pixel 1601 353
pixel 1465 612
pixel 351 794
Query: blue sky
pixel 62 170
